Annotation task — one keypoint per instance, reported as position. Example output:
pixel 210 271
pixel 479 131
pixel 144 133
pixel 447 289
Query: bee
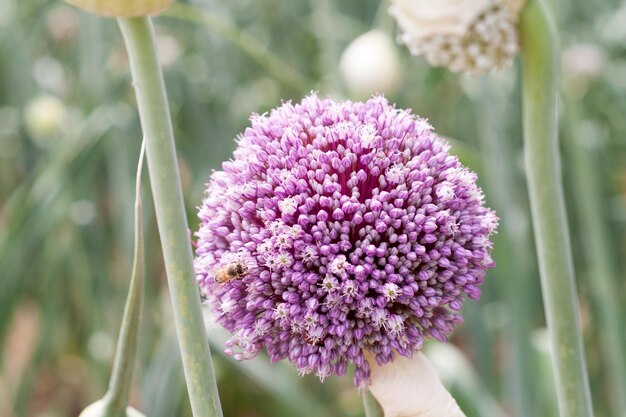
pixel 230 272
pixel 312 340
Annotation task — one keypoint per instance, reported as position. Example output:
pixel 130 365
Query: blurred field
pixel 70 137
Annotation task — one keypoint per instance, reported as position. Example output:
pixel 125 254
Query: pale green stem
pixel 599 256
pixel 515 244
pixel 246 42
pixel 540 82
pixel 323 19
pixel 370 406
pixel 382 19
pixel 122 373
pixel 170 212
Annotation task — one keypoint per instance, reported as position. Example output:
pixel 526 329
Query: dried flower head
pixel 359 230
pixel 470 36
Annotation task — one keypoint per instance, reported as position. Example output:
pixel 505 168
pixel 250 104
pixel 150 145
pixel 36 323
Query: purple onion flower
pixel 358 229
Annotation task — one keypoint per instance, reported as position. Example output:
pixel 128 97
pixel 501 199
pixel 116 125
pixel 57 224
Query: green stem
pixel 598 253
pixel 170 212
pixel 322 18
pixel 540 82
pixel 127 342
pixel 246 42
pixel 382 19
pixel 370 406
pixel 514 246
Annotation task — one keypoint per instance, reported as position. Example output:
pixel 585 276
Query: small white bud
pixel 102 408
pixel 370 64
pixel 44 118
pixel 584 61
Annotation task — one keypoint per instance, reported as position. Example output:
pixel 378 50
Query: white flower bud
pixel 370 64
pixel 62 23
pixel 102 408
pixel 471 36
pixel 44 118
pixel 169 49
pixel 584 61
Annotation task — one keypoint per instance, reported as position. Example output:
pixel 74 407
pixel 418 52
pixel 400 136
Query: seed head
pixel 470 36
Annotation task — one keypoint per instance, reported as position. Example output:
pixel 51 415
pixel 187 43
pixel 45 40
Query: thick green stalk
pixel 541 151
pixel 170 212
pixel 599 255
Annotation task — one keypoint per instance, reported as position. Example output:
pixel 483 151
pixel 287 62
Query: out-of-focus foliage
pixel 69 140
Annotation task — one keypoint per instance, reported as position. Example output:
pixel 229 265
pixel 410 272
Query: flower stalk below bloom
pixel 170 212
pixel 540 83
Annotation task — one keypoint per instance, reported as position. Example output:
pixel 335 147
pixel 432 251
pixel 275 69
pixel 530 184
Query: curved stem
pixel 170 212
pixel 540 83
pixel 246 42
pixel 122 373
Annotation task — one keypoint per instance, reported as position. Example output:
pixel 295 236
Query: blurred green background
pixel 69 141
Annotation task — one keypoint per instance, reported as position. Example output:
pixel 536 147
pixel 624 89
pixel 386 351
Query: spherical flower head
pixel 469 36
pixel 358 229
